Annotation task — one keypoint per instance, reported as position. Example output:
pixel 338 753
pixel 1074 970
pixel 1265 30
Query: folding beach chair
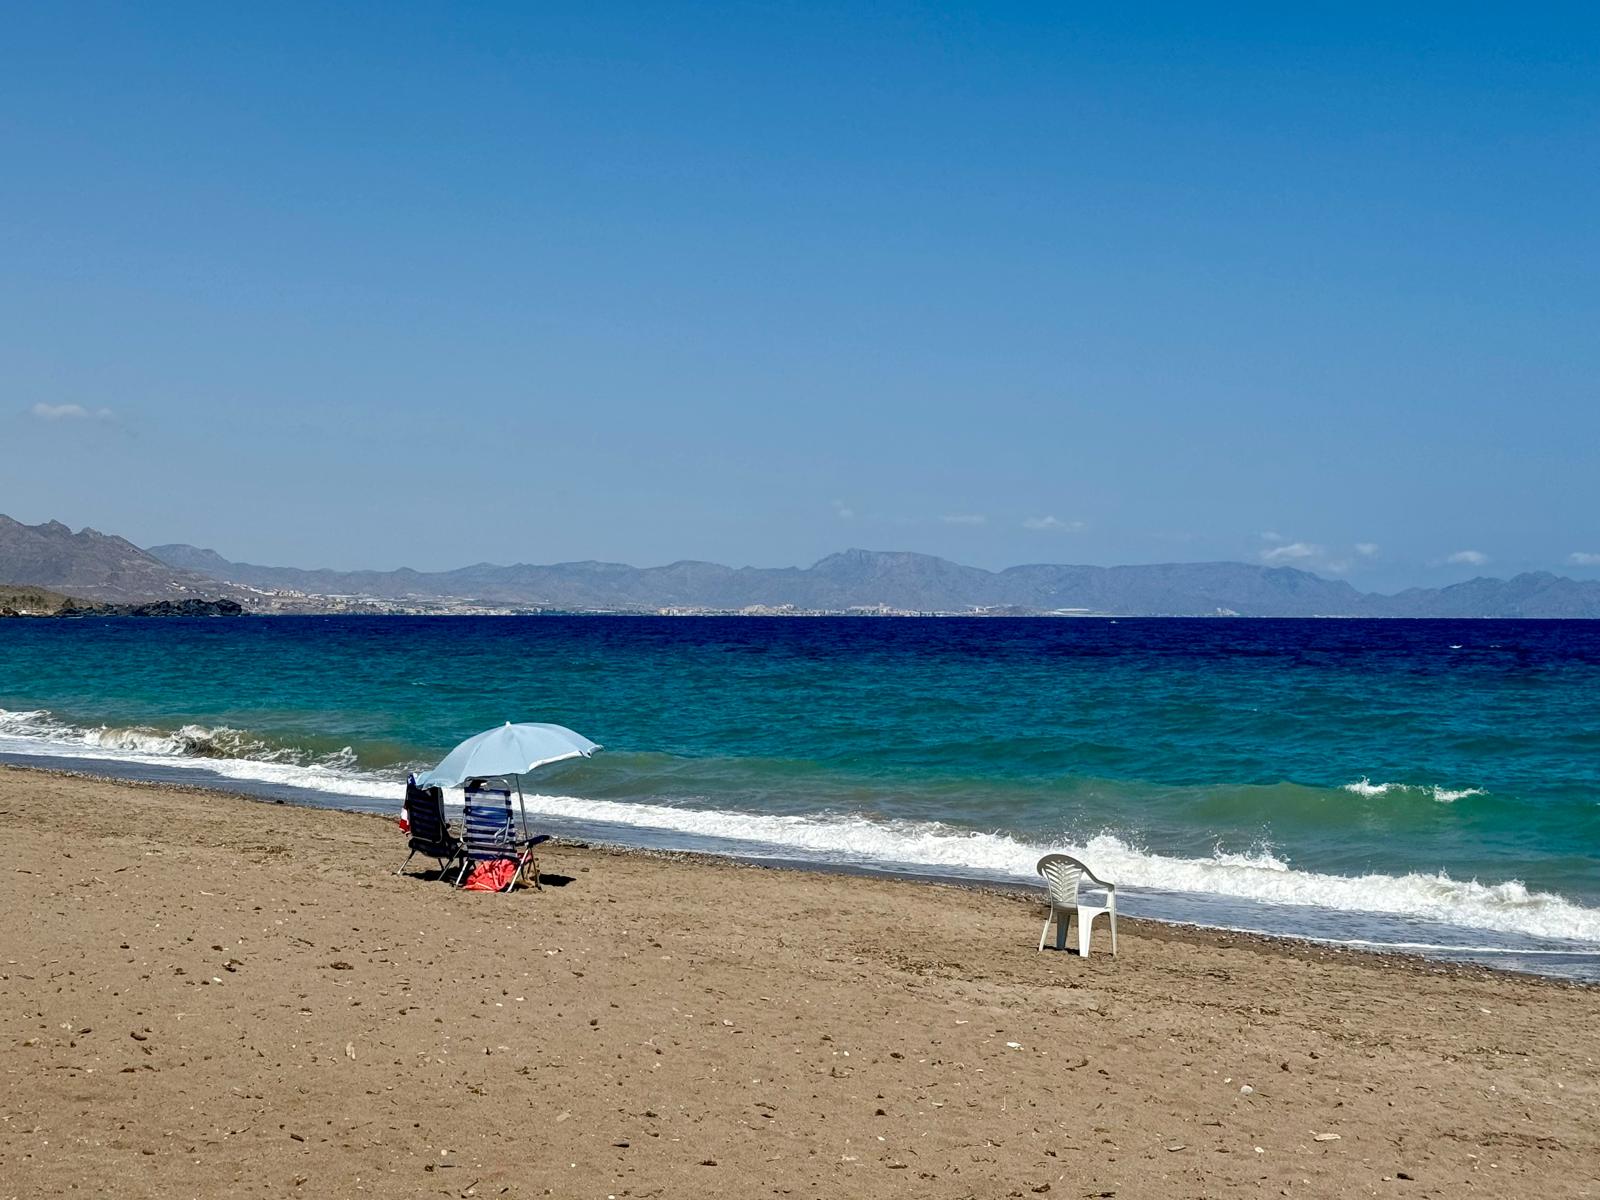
pixel 489 835
pixel 429 831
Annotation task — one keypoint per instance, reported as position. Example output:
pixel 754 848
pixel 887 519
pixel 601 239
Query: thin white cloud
pixel 964 519
pixel 1053 525
pixel 1280 551
pixel 1584 558
pixel 1291 552
pixel 68 412
pixel 1468 558
pixel 843 511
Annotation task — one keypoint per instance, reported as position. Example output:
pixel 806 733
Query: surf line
pixel 1365 943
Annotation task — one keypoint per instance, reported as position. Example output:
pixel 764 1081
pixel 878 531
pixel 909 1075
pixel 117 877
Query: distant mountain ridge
pixel 99 567
pixel 908 582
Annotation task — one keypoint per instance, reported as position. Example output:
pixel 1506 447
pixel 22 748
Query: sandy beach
pixel 203 995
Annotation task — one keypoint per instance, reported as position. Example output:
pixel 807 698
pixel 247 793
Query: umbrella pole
pixel 521 807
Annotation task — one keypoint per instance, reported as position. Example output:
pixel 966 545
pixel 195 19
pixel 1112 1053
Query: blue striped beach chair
pixel 489 834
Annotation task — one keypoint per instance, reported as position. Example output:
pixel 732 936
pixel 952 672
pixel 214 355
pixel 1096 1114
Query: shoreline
pixel 1019 891
pixel 1464 956
pixel 1028 894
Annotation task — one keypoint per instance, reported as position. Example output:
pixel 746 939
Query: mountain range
pixel 908 582
pixel 101 567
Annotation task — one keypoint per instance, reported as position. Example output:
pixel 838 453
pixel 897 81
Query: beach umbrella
pixel 508 752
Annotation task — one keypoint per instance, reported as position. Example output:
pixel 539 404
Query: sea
pixel 1431 787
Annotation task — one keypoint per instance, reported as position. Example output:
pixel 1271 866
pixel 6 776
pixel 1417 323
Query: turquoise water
pixel 1417 781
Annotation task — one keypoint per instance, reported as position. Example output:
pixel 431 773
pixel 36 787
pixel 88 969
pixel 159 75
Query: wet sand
pixel 202 995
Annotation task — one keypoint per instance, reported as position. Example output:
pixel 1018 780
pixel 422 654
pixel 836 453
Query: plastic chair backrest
pixel 1062 874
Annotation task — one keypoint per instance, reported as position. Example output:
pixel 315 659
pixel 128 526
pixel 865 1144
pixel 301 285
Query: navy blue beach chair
pixel 489 834
pixel 430 832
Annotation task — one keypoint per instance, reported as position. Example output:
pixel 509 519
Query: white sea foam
pixel 193 747
pixel 1365 787
pixel 854 839
pixel 1444 795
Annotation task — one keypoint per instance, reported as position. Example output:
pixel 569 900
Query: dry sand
pixel 204 995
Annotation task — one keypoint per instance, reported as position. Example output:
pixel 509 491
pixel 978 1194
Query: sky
pixel 427 285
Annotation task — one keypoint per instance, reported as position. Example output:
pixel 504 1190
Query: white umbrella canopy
pixel 508 751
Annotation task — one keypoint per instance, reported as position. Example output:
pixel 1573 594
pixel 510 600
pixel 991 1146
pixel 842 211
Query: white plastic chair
pixel 1062 874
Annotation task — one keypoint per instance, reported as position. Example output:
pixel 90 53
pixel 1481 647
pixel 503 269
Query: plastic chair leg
pixel 1063 924
pixel 1085 934
pixel 1045 932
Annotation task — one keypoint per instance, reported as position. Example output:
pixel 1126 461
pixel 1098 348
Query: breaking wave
pixel 1444 795
pixel 220 750
pixel 1260 876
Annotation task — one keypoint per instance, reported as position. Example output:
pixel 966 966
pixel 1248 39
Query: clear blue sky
pixel 392 284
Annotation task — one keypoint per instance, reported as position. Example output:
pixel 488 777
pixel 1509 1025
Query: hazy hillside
pixel 1535 594
pixel 93 566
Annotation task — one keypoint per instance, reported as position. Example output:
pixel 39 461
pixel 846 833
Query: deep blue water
pixel 1442 775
